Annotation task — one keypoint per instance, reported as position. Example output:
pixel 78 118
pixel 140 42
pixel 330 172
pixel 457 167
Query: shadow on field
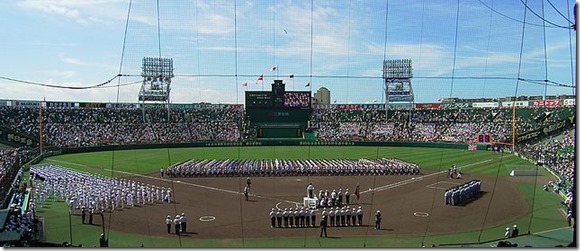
pixel 467 202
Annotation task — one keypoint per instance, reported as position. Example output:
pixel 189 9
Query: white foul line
pixel 197 185
pixel 412 180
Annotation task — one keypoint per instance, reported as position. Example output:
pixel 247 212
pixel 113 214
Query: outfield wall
pixel 270 142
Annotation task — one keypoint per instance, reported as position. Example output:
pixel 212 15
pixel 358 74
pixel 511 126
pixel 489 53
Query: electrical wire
pixel 511 18
pixel 487 49
pixel 542 18
pixel 556 9
pixel 455 49
pixel 60 86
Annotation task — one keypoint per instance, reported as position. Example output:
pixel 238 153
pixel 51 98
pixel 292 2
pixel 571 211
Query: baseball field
pixel 412 206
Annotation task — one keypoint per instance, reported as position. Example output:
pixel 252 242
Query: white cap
pixel 378 211
pixel 515 226
pixel 507 228
pixel 182 213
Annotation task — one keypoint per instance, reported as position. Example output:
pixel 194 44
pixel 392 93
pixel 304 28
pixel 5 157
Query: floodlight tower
pixel 397 74
pixel 156 87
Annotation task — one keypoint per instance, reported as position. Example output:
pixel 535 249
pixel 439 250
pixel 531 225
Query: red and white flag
pixel 260 78
pixel 274 68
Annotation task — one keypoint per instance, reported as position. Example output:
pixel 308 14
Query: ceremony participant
pixel 183 221
pixel 359 213
pixel 313 216
pixel 246 191
pixel 168 222
pixel 310 190
pixel 323 225
pixel 177 225
pixel 515 231
pixel 378 219
pixel 507 233
pixel 347 196
pixel 279 217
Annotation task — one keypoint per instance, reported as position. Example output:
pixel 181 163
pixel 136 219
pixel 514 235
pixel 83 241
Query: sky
pixel 217 45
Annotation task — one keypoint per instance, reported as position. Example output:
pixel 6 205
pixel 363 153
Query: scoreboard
pixel 278 106
pixel 259 100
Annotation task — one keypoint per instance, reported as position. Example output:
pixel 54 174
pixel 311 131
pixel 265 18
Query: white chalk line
pixel 200 186
pixel 415 179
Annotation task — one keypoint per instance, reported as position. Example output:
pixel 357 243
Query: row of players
pixel 221 168
pixel 304 217
pixel 459 194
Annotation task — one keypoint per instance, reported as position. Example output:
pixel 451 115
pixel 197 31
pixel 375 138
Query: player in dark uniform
pixel 323 225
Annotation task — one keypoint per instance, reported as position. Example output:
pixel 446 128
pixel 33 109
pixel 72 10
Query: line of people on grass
pixel 94 192
pixel 462 193
pixel 227 168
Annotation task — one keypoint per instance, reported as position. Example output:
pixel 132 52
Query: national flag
pixel 274 68
pixel 307 85
pixel 245 83
pixel 260 78
pixel 291 75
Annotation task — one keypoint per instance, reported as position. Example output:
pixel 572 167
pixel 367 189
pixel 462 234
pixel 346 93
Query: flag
pixel 245 83
pixel 274 68
pixel 307 85
pixel 334 101
pixel 291 75
pixel 260 78
pixel 472 147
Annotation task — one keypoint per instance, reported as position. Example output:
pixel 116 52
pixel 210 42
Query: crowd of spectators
pixel 556 153
pixel 225 168
pixel 430 125
pixel 66 127
pixel 297 99
pixel 10 162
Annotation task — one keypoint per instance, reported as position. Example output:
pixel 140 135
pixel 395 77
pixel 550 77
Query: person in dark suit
pixel 83 214
pixel 378 219
pixel 323 225
pixel 515 231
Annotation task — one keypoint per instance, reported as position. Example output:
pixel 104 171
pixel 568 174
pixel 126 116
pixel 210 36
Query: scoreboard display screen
pixel 259 99
pixel 265 99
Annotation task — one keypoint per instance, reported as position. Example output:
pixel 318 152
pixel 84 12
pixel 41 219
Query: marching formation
pixel 93 192
pixel 459 194
pixel 226 168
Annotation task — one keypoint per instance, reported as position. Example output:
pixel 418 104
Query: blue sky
pixel 80 43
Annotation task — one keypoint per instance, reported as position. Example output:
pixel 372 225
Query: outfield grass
pixel 546 214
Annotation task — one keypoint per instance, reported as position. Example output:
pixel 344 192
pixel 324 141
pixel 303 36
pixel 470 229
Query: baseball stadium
pixel 288 124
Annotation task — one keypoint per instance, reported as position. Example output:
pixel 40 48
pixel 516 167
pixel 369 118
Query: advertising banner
pixel 546 103
pixel 21 103
pixel 485 104
pixel 518 103
pixel 428 106
pixel 60 104
pixel 569 102
pixel 455 105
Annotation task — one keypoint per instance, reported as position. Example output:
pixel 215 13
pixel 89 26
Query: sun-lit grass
pixel 546 214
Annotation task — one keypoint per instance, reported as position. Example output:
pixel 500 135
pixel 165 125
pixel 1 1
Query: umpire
pixel 323 225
